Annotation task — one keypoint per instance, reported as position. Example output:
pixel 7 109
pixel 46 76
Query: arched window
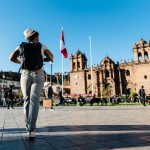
pixel 89 77
pixel 74 65
pixel 106 61
pixel 128 73
pixel 139 56
pixel 90 92
pixel 107 73
pixel 78 64
pixel 145 55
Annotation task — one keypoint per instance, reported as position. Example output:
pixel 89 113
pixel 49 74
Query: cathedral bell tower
pixel 141 51
pixel 78 64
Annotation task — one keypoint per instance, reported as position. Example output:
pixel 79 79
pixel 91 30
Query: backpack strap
pixel 22 55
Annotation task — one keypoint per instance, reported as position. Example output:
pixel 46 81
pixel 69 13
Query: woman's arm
pixel 49 55
pixel 14 57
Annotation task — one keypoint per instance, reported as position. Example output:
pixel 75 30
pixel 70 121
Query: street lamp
pixel 51 72
pixel 4 80
pixel 57 77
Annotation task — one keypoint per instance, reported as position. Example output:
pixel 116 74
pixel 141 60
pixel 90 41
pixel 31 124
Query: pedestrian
pixel 48 92
pixel 10 99
pixel 4 97
pixel 92 100
pixel 61 98
pixel 31 55
pixel 142 95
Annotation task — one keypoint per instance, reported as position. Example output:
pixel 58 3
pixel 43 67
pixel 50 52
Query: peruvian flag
pixel 62 45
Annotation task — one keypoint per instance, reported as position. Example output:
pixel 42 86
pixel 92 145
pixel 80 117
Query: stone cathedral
pixel 110 78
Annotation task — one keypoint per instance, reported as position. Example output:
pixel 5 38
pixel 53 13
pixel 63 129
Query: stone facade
pixel 110 78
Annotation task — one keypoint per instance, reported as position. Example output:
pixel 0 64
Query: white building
pixel 4 83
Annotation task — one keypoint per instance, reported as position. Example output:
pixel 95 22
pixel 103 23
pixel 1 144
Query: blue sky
pixel 114 25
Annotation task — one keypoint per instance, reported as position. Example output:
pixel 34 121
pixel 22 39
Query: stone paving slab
pixel 78 128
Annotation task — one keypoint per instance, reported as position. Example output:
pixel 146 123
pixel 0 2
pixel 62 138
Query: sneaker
pixel 31 135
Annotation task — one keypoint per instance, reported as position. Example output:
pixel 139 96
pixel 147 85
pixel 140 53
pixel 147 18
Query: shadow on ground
pixel 89 136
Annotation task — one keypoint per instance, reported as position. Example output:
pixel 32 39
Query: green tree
pixel 20 95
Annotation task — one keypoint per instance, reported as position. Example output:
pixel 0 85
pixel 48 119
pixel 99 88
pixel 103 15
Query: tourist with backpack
pixel 31 55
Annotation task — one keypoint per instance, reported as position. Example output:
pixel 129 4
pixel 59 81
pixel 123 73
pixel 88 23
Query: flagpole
pixel 62 70
pixel 51 73
pixel 91 63
pixel 62 75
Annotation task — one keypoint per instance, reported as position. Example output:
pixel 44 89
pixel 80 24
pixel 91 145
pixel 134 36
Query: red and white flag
pixel 62 45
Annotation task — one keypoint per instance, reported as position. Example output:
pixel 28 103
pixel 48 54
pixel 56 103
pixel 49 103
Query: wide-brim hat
pixel 29 32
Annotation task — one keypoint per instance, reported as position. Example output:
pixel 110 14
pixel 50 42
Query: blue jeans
pixel 142 100
pixel 4 102
pixel 32 83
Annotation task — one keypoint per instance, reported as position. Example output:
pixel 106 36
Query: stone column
pixel 109 73
pixel 120 81
pixel 148 51
pixel 101 82
pixel 142 52
pixel 113 74
pixel 71 64
pixel 135 50
pixel 76 62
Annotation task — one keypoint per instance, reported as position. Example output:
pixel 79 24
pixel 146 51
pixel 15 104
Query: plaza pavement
pixel 79 128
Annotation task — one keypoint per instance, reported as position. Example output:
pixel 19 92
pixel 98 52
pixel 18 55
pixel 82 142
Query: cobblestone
pixel 78 128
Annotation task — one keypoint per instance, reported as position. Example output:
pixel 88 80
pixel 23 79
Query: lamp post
pixel 56 75
pixel 51 72
pixel 3 81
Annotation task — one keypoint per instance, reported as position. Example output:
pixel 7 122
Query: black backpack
pixel 32 56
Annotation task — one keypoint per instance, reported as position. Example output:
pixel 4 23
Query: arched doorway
pixel 129 91
pixel 107 90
